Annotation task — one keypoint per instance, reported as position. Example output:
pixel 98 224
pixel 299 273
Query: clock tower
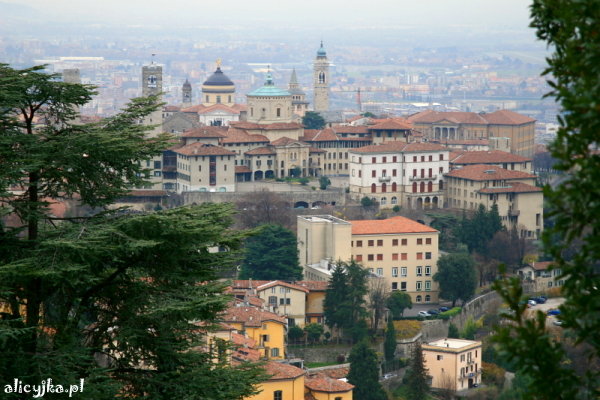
pixel 321 82
pixel 186 95
pixel 152 85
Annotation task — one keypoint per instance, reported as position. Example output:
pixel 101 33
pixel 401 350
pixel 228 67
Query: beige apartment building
pixel 537 278
pixel 520 202
pixel 513 162
pixel 205 168
pixel 453 363
pixel 398 249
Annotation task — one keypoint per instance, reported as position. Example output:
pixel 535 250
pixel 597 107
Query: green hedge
pixel 450 313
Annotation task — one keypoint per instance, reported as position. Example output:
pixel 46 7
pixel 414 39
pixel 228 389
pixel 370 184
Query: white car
pixel 424 314
pixel 532 302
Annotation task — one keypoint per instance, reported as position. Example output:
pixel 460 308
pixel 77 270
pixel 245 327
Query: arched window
pixel 279 112
pixel 373 188
pixel 207 98
pixel 418 299
pixel 430 186
pixel 383 201
pixel 229 99
pixel 218 99
pixel 321 77
pixel 428 298
pixel 383 188
pixel 252 111
pixel 393 186
pixel 414 187
pixel 394 200
pixel 441 185
pixel 422 187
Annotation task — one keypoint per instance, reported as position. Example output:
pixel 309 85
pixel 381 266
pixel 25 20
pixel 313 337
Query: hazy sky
pixel 495 14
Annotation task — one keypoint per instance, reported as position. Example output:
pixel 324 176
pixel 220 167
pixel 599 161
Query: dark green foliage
pixel 272 255
pixel 571 31
pixel 469 330
pixel 357 331
pixel 314 331
pixel 335 295
pixel 389 346
pixel 398 302
pixel 453 331
pixel 304 181
pixel 324 182
pixel 368 114
pixel 417 378
pixel 444 223
pixel 518 389
pixel 477 231
pixel 366 202
pixel 364 373
pixel 313 120
pixel 396 209
pixel 296 172
pixel 295 333
pixel 456 276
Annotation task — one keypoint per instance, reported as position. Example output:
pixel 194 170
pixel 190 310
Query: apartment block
pixel 453 363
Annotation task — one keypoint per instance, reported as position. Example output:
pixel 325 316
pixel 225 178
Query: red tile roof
pixel 250 315
pixel 171 108
pixel 352 129
pixel 260 151
pixel 466 142
pixel 283 141
pixel 390 225
pixel 281 283
pixel 275 126
pixel 242 170
pixel 240 107
pixel 516 187
pixel 245 347
pixel 283 371
pixel 385 147
pixel 477 173
pixel 326 384
pixel 391 124
pixel 147 193
pixel 204 132
pixel 203 149
pixel 241 136
pixel 425 147
pixel 507 117
pixel 313 286
pixel 500 117
pixel 488 157
pixel 193 109
pixel 216 107
pixel 541 266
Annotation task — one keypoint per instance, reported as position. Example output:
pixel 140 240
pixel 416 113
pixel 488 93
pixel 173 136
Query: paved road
pixel 548 305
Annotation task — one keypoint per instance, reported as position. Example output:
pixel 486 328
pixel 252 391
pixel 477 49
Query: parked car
pixel 386 376
pixel 444 309
pixel 554 311
pixel 528 304
pixel 557 322
pixel 424 314
pixel 433 312
pixel 538 300
pixel 531 302
pixel 543 297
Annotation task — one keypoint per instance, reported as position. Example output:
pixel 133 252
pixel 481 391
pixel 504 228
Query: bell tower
pixel 186 95
pixel 152 85
pixel 321 82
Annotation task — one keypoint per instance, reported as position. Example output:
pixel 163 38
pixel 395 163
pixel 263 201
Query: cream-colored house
pixel 206 168
pixel 499 158
pixel 285 299
pixel 453 363
pixel 402 251
pixel 520 202
pixel 538 278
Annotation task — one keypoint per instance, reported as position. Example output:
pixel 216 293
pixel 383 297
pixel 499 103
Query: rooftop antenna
pixel 152 62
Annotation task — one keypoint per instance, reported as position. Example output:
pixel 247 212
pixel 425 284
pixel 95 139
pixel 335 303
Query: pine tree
pixel 335 295
pixel 364 373
pixel 417 377
pixel 390 344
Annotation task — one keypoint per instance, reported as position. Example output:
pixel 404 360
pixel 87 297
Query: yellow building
pixel 398 249
pixel 325 388
pixel 218 89
pixel 286 383
pixel 453 363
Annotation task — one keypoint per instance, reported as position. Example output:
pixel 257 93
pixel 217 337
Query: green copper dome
pixel 321 52
pixel 269 89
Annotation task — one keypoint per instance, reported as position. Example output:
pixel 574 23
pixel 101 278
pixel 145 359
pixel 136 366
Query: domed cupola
pixel 218 89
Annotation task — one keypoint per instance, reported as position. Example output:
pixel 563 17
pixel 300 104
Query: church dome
pixel 218 78
pixel 269 89
pixel 187 85
pixel 321 52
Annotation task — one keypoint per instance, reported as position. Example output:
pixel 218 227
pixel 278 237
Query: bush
pixel 366 202
pixel 450 313
pixel 396 209
pixel 347 190
pixel 313 187
pixel 279 179
pixel 303 181
pixel 324 182
pixel 341 359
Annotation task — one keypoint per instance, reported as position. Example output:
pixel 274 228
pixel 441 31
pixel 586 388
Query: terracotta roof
pixel 283 141
pixel 390 225
pixel 250 315
pixel 245 347
pixel 465 142
pixel 315 150
pixel 500 117
pixel 240 107
pixel 507 117
pixel 171 108
pixel 283 371
pixel 516 187
pixel 385 147
pixel 194 109
pixel 204 132
pixel 309 134
pixel 326 384
pixel 308 396
pixel 541 266
pixel 203 149
pixel 147 193
pixel 275 126
pixel 242 170
pixel 281 283
pixel 488 157
pixel 351 129
pixel 477 173
pixel 245 284
pixel 392 125
pixel 260 151
pixel 456 153
pixel 425 147
pixel 334 372
pixel 241 136
pixel 313 286
pixel 221 107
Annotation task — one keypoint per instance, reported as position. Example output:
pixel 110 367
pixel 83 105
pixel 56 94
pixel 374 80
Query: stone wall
pixel 309 196
pixel 320 354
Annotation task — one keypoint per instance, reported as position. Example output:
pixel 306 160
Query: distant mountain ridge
pixel 23 11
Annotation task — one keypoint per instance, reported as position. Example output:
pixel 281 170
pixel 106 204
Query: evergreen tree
pixel 398 302
pixel 354 307
pixel 313 120
pixel 390 344
pixel 364 373
pixel 272 255
pixel 456 276
pixel 453 331
pixel 417 379
pixel 495 221
pixel 335 295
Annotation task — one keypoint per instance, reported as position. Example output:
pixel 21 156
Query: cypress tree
pixel 389 346
pixel 417 377
pixel 364 373
pixel 335 295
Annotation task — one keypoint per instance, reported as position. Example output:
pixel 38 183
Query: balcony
pixel 385 178
pixel 470 375
pixel 422 178
pixel 425 194
pixel 514 213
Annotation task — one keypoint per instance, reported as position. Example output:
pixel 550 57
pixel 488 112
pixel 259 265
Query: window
pixel 379 243
pixel 370 257
pixel 394 272
pixel 428 256
pixel 394 172
pixel 384 159
pixel 394 242
pixel 359 243
pixel 403 271
pixel 275 352
pixel 395 257
pixel 419 256
pixel 419 241
pixel 427 285
pixel 371 243
pixel 441 157
pixel 373 174
pixel 157 165
pixel 359 257
pixel 284 301
pixel 462 359
pixel 419 271
pixel 373 188
pixel 419 286
pixel 273 290
pixel 394 159
pixel 379 257
pixel 427 271
pixel 278 395
pixel 394 285
pixel 418 299
pixel 279 112
pixel 273 300
pixel 404 242
pixel 403 286
pixel 428 298
pixel 157 173
pixel 380 271
pixel 549 284
pixel 414 159
pixel 404 256
pixel 374 160
pixel 428 241
pixel 218 99
pixel 440 357
pixel 383 200
pixel 430 158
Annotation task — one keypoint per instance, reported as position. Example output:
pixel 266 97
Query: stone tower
pixel 186 95
pixel 73 76
pixel 152 85
pixel 299 103
pixel 321 92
